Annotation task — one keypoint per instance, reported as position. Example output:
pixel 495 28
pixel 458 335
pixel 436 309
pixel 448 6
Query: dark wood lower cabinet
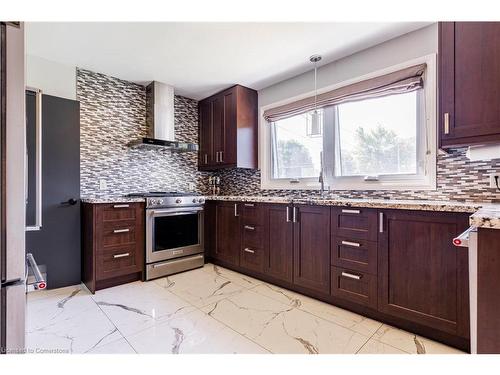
pixel 488 297
pixel 355 286
pixel 279 242
pixel 113 244
pixel 311 248
pixel 409 275
pixel 422 277
pixel 227 232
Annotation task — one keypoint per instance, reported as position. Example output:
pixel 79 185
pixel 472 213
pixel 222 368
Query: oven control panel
pixel 174 201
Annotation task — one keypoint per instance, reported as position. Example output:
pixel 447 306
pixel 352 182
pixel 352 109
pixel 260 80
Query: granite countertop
pixel 249 198
pixel 424 205
pixel 484 215
pixel 111 199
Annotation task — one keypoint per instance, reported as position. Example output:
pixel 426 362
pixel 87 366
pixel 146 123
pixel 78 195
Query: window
pixel 378 142
pixel 296 153
pixel 377 137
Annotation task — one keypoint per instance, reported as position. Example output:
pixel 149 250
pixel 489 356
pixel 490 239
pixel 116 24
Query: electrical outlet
pixel 493 184
pixel 103 184
pixel 191 186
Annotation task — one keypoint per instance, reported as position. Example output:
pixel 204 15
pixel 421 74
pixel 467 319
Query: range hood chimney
pixel 160 120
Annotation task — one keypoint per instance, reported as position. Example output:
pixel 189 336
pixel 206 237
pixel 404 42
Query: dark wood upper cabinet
pixel 228 129
pixel 423 278
pixel 206 147
pixel 311 263
pixel 469 83
pixel 228 234
pixel 279 242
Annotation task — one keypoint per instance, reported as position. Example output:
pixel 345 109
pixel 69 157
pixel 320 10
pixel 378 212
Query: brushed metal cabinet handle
pixel 236 210
pixel 345 211
pixel 381 222
pixel 121 230
pixel 287 214
pixel 351 275
pixel 221 156
pixel 206 159
pixel 294 219
pixel 121 255
pixel 121 206
pixel 248 250
pixel 349 243
pixel 446 123
pixel 249 227
pixel 249 205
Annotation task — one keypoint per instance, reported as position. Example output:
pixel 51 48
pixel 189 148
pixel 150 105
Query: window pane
pixel 378 136
pixel 296 154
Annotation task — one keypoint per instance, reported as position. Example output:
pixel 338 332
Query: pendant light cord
pixel 315 86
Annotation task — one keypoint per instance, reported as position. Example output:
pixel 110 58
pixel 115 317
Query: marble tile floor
pixel 207 310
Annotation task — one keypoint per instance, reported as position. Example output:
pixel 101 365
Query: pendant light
pixel 315 129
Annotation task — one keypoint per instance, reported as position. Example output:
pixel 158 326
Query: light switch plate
pixel 103 184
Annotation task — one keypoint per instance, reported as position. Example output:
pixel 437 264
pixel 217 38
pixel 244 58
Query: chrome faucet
pixel 321 179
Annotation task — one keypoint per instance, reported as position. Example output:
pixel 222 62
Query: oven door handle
pixel 174 213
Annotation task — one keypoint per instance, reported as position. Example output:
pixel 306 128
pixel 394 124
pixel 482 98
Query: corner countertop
pixel 486 217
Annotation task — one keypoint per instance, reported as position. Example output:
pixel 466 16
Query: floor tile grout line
pixel 322 318
pixel 232 329
pixel 121 333
pixel 369 338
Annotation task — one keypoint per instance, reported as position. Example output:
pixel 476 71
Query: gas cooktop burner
pixel 151 194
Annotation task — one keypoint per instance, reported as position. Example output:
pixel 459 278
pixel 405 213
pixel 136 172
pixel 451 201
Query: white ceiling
pixel 199 59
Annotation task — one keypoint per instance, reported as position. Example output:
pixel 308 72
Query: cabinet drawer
pixel 355 286
pixel 251 213
pixel 355 254
pixel 252 258
pixel 253 236
pixel 120 260
pixel 118 233
pixel 118 211
pixel 351 222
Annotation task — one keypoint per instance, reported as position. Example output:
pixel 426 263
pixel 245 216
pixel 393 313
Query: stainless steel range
pixel 174 232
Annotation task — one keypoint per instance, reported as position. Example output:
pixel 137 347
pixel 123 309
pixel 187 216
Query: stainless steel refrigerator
pixel 12 189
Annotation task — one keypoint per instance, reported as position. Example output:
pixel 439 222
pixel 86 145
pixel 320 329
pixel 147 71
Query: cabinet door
pixel 422 277
pixel 228 143
pixel 205 155
pixel 469 82
pixel 227 241
pixel 225 128
pixel 311 263
pixel 279 242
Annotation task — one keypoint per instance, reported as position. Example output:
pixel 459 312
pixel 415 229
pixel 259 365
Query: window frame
pixel 426 139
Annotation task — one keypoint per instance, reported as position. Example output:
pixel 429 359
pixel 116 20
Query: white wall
pixel 51 77
pixel 406 47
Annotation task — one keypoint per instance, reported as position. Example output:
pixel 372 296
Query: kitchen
pixel 347 205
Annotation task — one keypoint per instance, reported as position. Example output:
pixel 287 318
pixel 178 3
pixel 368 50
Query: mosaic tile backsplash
pixel 112 112
pixel 458 179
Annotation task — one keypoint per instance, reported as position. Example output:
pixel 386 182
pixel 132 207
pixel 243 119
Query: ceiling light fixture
pixel 315 128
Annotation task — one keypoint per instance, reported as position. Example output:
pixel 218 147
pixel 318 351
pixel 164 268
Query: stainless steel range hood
pixel 160 120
